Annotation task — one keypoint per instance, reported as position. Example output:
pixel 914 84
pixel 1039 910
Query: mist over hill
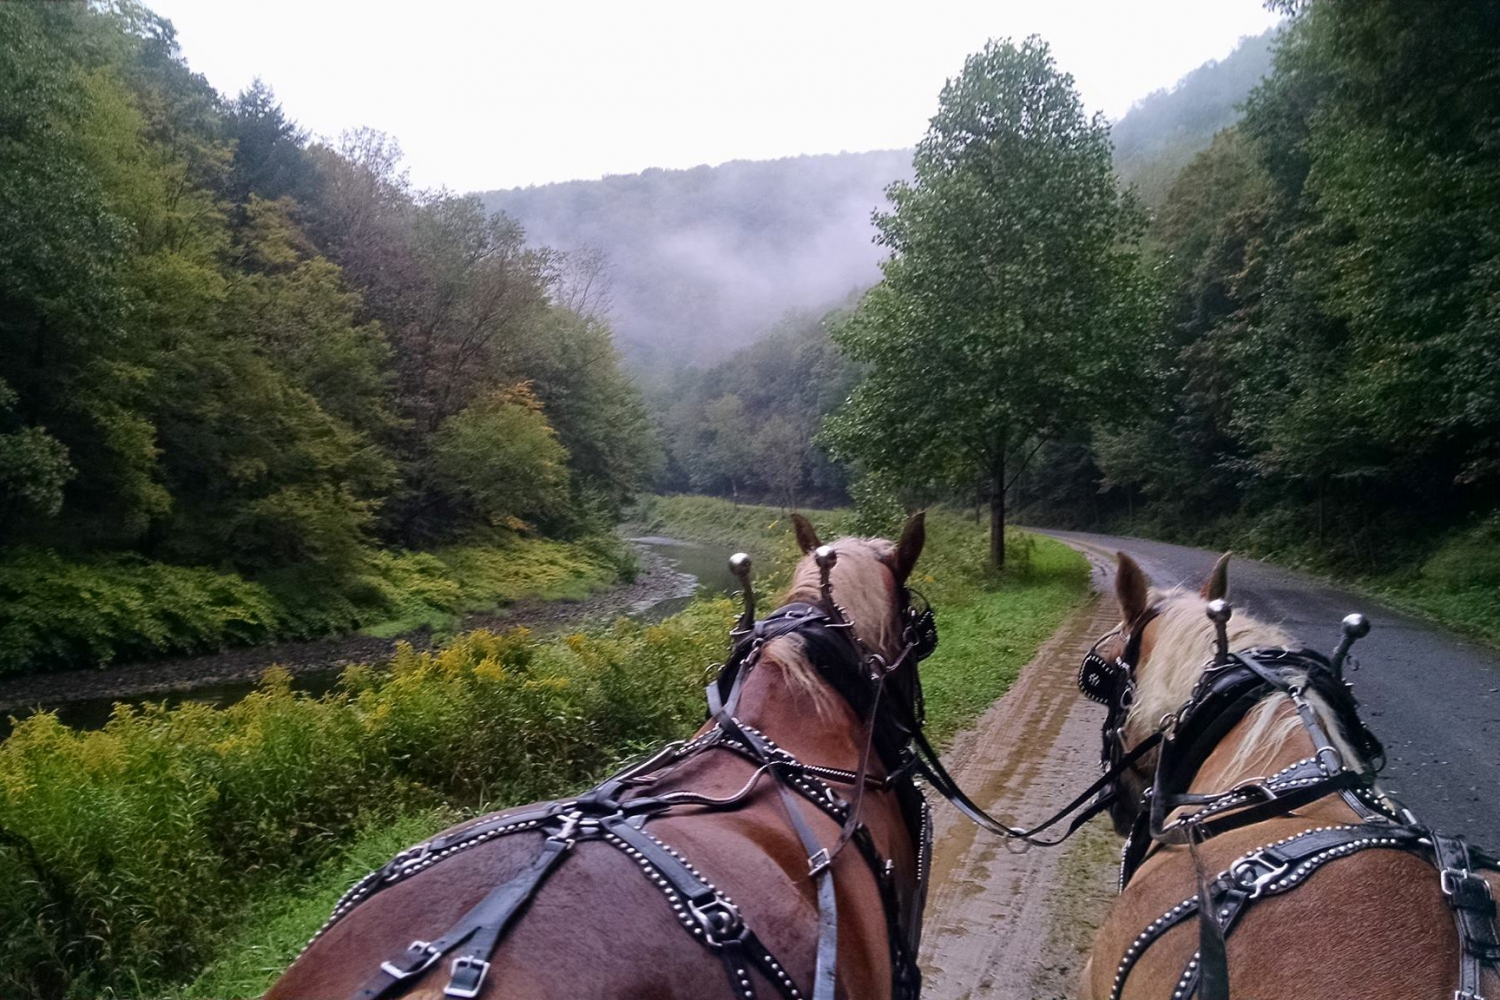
pixel 702 262
pixel 1167 128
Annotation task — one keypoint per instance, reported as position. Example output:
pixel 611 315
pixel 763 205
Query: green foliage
pixel 747 425
pixel 227 349
pixel 500 459
pixel 127 852
pixel 1324 389
pixel 1012 290
pixel 58 613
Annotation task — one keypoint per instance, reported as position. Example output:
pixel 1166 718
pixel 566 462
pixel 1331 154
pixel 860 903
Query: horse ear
pixel 1217 587
pixel 807 538
pixel 913 536
pixel 1131 588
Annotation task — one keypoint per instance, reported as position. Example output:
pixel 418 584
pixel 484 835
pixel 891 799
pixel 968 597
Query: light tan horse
pixel 1372 923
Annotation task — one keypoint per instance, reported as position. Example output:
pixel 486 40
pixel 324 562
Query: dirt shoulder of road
pixel 1018 925
pixel 657 581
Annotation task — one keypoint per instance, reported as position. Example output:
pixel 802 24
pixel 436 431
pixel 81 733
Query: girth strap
pixel 1473 905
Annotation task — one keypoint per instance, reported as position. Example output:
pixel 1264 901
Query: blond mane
pixel 861 583
pixel 1184 642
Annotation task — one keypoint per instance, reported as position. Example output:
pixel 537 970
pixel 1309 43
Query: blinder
pixel 1104 681
pixel 920 633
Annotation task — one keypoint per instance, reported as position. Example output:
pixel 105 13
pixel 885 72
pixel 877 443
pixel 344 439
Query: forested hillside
pixel 696 264
pixel 1322 380
pixel 702 262
pixel 235 363
pixel 1164 130
pixel 746 427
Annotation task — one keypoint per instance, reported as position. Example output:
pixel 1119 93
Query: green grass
pixel 1457 585
pixel 134 856
pixel 274 928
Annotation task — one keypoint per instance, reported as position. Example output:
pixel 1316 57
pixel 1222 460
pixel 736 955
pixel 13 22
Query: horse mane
pixel 1183 644
pixel 859 588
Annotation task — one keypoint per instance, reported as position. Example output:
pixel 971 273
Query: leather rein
pixel 1229 688
pixel 617 811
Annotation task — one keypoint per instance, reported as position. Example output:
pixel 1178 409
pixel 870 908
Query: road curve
pixel 1433 698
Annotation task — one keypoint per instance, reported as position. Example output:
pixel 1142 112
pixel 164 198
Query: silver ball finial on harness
pixel 1219 612
pixel 1355 627
pixel 739 565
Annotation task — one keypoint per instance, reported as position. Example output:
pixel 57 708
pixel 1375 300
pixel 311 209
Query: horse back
pixel 1376 916
pixel 599 928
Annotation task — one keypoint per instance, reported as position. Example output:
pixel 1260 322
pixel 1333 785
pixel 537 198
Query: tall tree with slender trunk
pixel 1013 292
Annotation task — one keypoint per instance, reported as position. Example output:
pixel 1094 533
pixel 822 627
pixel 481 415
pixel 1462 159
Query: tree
pixel 1012 296
pixel 499 461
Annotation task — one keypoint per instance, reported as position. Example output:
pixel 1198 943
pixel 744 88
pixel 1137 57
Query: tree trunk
pixel 997 514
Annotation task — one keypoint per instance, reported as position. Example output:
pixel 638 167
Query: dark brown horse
pixel 599 912
pixel 1262 812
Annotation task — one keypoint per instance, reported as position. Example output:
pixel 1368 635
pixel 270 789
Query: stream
pixel 673 573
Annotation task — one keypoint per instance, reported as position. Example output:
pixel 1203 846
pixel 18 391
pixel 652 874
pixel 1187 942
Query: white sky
pixel 502 94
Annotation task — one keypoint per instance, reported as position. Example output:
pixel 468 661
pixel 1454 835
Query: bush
pixel 57 613
pixel 126 853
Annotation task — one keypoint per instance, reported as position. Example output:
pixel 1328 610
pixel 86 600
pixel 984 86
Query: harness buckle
pixel 570 823
pixel 1450 878
pixel 422 956
pixel 818 862
pixel 465 976
pixel 719 919
pixel 1245 875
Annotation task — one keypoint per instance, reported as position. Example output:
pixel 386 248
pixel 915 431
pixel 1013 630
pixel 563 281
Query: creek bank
pixel 85 697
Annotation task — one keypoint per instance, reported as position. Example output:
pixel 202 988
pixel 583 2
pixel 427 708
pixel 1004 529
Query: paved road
pixel 1433 698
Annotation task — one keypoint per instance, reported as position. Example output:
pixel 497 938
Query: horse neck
pixel 1250 751
pixel 787 699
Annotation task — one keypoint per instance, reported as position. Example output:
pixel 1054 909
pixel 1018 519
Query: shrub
pixel 59 613
pixel 125 853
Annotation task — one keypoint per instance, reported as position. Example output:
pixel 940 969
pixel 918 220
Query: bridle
pixel 1111 683
pixel 617 811
pixel 1231 685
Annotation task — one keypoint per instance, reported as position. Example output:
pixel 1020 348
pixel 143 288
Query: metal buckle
pixel 428 953
pixel 719 919
pixel 1243 872
pixel 818 862
pixel 570 823
pixel 465 976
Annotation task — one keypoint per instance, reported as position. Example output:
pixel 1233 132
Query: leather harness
pixel 1224 695
pixel 617 811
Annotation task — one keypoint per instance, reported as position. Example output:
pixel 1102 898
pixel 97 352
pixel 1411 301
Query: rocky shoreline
pixel 658 581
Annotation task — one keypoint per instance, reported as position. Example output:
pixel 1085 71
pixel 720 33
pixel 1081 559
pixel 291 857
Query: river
pixel 674 572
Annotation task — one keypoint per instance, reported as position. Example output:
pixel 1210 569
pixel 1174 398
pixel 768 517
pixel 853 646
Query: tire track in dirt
pixel 999 923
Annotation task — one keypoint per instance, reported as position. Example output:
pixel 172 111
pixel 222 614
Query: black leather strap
pixel 1267 871
pixel 482 927
pixel 1473 906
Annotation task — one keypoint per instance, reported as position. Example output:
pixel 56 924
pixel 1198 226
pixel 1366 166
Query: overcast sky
pixel 502 94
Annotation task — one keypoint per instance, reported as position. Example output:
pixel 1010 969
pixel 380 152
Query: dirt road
pixel 1008 925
